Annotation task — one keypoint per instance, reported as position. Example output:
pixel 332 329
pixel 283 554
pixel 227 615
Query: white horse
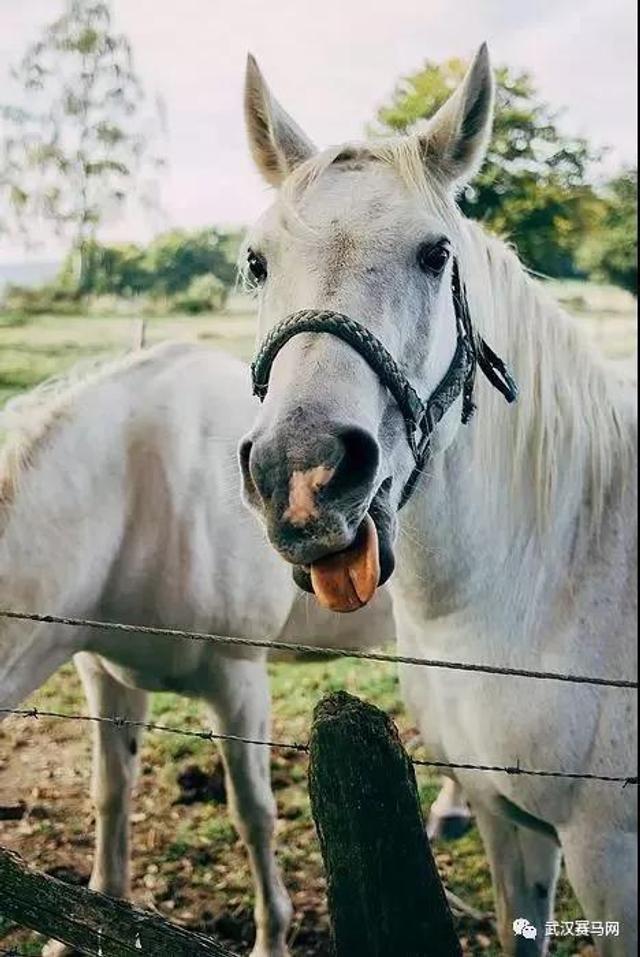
pixel 518 545
pixel 120 500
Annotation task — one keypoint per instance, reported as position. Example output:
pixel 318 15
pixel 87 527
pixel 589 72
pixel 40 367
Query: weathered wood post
pixel 140 333
pixel 90 922
pixel 384 891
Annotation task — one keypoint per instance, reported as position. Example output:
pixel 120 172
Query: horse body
pixel 518 546
pixel 120 501
pixel 475 597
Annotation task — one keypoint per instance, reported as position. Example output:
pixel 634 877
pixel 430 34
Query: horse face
pixel 368 232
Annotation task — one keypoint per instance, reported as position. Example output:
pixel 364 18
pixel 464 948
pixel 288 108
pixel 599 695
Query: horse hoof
pixel 54 948
pixel 269 952
pixel 448 827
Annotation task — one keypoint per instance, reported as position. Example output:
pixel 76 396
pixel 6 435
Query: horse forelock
pixel 404 154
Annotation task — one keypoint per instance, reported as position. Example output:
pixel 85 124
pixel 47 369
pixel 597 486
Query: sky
pixel 331 63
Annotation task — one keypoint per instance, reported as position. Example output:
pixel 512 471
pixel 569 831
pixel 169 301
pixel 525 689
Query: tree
pixel 118 270
pixel 532 188
pixel 174 258
pixel 170 265
pixel 76 144
pixel 610 251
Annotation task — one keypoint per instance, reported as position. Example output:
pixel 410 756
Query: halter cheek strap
pixel 420 417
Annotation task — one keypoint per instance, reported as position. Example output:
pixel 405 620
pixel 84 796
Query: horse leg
pixel 115 766
pixel 449 815
pixel 602 867
pixel 524 868
pixel 241 706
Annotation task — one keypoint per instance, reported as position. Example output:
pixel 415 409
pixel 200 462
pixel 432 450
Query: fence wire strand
pixel 207 735
pixel 274 645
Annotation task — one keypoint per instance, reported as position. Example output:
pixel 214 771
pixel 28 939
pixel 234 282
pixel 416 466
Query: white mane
pixel 573 422
pixel 27 419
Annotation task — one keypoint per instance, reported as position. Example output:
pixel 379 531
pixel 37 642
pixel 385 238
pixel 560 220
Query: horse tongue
pixel 347 580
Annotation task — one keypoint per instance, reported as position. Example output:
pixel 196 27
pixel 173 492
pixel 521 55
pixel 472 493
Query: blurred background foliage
pixel 82 144
pixel 179 271
pixel 535 188
pixel 79 144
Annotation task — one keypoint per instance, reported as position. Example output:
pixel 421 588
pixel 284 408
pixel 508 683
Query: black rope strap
pixel 356 335
pixel 496 371
pixel 420 417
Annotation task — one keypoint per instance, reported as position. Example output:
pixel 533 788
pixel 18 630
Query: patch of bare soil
pixel 47 817
pixel 188 862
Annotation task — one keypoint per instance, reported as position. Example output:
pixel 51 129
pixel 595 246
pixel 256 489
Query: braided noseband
pixel 420 417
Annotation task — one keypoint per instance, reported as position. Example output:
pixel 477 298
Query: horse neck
pixel 504 515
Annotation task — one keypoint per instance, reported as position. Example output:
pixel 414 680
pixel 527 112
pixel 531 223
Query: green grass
pixel 34 348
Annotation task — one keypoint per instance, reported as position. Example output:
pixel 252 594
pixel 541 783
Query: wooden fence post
pixel 384 891
pixel 93 923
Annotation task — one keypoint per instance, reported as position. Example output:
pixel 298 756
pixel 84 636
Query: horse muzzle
pixel 346 580
pixel 312 488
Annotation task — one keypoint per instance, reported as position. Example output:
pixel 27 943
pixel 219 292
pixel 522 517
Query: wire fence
pixel 208 735
pixel 274 645
pixel 121 722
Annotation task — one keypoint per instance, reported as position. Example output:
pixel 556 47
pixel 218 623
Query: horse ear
pixel 277 143
pixel 455 140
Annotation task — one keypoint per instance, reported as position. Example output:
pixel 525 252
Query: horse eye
pixel 433 257
pixel 257 265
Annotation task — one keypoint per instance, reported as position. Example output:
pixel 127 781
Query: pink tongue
pixel 347 580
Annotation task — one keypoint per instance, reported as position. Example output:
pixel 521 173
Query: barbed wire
pixel 208 735
pixel 119 722
pixel 276 645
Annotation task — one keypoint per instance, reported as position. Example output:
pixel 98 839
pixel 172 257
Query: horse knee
pixel 111 787
pixel 108 802
pixel 255 819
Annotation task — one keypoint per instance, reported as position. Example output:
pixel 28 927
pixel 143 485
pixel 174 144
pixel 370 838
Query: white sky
pixel 331 63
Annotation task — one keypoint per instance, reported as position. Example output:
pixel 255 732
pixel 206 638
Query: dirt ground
pixel 188 863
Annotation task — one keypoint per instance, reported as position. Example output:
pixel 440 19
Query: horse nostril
pixel 244 455
pixel 259 469
pixel 314 468
pixel 358 464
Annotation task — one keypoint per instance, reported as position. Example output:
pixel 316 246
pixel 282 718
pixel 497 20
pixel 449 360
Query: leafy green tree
pixel 119 270
pixel 174 258
pixel 532 189
pixel 610 251
pixel 168 266
pixel 205 293
pixel 76 143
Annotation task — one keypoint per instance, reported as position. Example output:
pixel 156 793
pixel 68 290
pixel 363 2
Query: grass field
pixel 188 861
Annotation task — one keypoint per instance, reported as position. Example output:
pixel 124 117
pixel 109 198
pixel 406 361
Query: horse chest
pixel 497 720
